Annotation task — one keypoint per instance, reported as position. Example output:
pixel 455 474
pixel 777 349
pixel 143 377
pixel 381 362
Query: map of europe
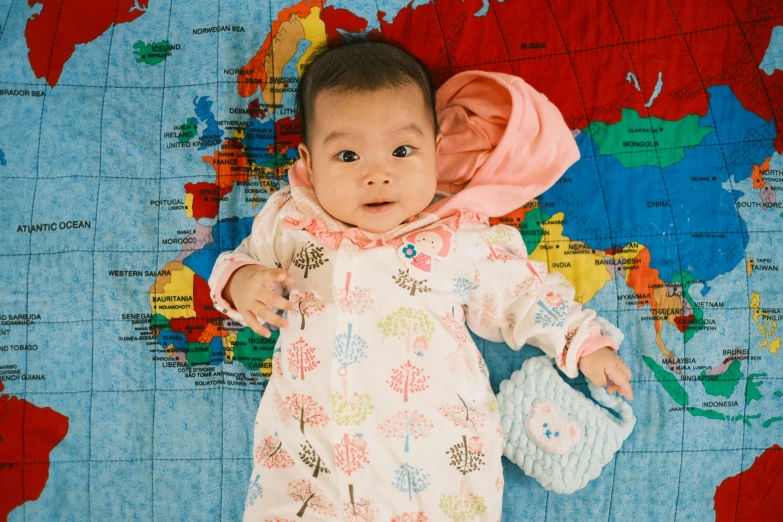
pixel 139 138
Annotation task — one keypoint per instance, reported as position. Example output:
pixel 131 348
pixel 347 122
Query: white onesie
pixel 379 407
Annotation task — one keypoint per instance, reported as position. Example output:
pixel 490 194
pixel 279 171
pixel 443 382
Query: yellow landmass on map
pixel 228 345
pixel 188 205
pixel 266 368
pixel 284 47
pixel 315 31
pixel 583 266
pixel 172 296
pixel 767 327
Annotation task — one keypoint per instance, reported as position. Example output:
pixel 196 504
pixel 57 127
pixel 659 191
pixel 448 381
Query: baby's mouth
pixel 377 206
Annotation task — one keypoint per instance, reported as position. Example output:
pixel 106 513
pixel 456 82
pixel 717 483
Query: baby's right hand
pixel 250 289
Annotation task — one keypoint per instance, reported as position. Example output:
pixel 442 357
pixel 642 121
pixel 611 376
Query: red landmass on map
pixel 753 495
pixel 193 327
pixel 202 302
pixel 567 47
pixel 206 199
pixel 28 434
pixel 288 132
pixel 53 34
pixel 254 109
pixel 344 19
pixel 580 54
pixel 428 44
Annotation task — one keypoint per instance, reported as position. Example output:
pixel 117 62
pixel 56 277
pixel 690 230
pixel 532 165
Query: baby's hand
pixel 250 290
pixel 604 366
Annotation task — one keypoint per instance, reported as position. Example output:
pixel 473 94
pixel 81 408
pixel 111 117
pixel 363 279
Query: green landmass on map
pixel 198 354
pixel 531 228
pixel 675 390
pixel 159 322
pixel 769 421
pixel 153 53
pixel 278 161
pixel 187 131
pixel 668 381
pixel 637 141
pixel 722 385
pixel 778 393
pixel 252 350
pixel 752 392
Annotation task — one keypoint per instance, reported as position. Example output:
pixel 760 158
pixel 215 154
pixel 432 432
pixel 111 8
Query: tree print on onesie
pixel 307 304
pixel 411 324
pixel 271 454
pixel 352 299
pixel 349 349
pixel 359 509
pixel 312 498
pixel 301 359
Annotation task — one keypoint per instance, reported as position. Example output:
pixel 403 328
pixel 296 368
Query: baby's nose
pixel 378 178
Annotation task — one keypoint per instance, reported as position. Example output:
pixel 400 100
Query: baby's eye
pixel 347 156
pixel 403 151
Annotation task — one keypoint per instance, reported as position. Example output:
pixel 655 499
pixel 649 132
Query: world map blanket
pixel 138 138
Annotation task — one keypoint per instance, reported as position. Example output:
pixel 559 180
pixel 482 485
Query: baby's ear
pixel 307 159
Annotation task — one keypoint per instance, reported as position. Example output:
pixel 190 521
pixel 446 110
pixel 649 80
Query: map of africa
pixel 140 137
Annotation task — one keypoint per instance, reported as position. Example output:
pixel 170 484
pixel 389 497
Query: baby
pixel 379 407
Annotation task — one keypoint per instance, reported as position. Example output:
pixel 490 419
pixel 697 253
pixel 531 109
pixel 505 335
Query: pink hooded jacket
pixel 504 143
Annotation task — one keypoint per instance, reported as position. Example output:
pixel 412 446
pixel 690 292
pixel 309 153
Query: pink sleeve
pixel 594 343
pixel 265 246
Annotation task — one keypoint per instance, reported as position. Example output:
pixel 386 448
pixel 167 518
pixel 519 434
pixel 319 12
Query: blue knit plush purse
pixel 555 433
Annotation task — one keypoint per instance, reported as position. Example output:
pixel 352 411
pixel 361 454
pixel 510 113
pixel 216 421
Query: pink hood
pixel 504 143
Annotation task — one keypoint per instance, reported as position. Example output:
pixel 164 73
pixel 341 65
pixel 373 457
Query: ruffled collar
pixel 302 211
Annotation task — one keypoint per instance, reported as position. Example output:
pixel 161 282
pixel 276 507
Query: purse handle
pixel 626 419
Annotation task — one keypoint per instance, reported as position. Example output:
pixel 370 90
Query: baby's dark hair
pixel 360 65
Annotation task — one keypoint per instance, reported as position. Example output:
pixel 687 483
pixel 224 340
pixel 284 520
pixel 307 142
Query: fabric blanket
pixel 138 139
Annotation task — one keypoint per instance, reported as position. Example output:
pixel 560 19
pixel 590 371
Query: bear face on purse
pixel 555 433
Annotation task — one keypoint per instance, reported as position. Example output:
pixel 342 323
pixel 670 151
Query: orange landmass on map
pixel 758 174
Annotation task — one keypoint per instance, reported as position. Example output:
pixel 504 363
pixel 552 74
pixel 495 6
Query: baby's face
pixel 372 156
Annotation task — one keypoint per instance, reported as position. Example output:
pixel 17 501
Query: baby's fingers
pixel 262 311
pixel 254 325
pixel 620 381
pixel 278 275
pixel 276 301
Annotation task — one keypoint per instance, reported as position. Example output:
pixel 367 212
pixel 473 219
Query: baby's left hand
pixel 604 366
